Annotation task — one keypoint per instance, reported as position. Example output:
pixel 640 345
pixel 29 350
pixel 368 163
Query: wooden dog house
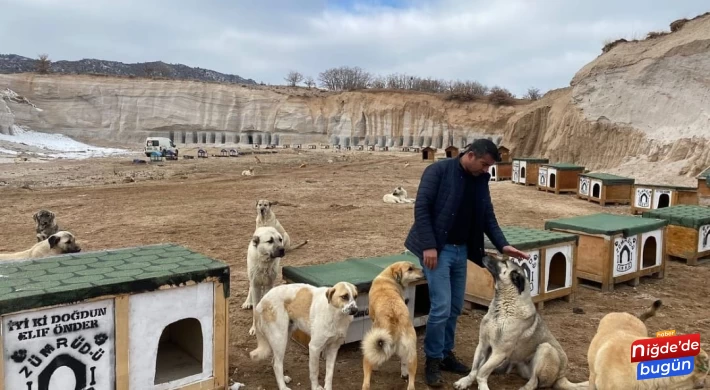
pixel 604 188
pixel 201 153
pixel 688 231
pixel 428 153
pixel 233 153
pixel 501 171
pixel 704 187
pixel 504 154
pixel 152 317
pixel 651 197
pixel 360 272
pixel 616 248
pixel 451 151
pixel 559 178
pixel 525 170
pixel 550 269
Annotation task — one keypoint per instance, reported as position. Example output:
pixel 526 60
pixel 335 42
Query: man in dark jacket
pixel 453 210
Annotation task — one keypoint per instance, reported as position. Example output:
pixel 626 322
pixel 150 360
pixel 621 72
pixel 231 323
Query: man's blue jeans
pixel 447 286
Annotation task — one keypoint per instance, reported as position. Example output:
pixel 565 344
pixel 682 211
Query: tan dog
pixel 323 313
pixel 265 217
pixel 57 244
pixel 392 332
pixel 609 357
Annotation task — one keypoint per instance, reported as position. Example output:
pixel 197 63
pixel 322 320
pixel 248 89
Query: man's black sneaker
pixel 451 364
pixel 432 372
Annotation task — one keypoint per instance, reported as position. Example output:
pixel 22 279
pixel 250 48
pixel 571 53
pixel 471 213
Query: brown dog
pixel 57 244
pixel 609 357
pixel 392 332
pixel 46 224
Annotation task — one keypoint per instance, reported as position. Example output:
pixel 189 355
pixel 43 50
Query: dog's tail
pixel 651 311
pixel 263 348
pixel 377 346
pixel 564 384
pixel 298 246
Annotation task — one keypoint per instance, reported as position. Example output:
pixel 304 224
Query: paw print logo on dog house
pixel 152 317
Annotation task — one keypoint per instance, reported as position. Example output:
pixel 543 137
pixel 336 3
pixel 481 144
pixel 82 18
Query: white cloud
pixel 514 43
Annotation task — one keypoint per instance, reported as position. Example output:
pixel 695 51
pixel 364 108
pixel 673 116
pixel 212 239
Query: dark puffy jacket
pixel 438 199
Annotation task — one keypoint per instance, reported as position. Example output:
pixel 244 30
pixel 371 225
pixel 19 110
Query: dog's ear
pixel 329 294
pixel 518 280
pixel 36 217
pixel 255 240
pixel 53 240
pixel 397 274
pixel 273 203
pixel 50 215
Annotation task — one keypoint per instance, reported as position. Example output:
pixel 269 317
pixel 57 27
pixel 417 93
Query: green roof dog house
pixel 152 317
pixel 654 196
pixel 616 248
pixel 688 231
pixel 525 170
pixel 604 188
pixel 559 178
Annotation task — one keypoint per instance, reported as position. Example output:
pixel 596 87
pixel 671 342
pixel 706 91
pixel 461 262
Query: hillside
pixel 641 108
pixel 12 63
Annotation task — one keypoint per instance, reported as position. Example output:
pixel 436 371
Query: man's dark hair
pixel 483 146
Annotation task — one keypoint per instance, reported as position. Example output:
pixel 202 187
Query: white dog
pixel 399 195
pixel 266 217
pixel 248 172
pixel 58 243
pixel 324 313
pixel 263 265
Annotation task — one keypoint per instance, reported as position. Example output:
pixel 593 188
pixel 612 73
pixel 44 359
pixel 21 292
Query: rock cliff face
pixel 194 112
pixel 641 109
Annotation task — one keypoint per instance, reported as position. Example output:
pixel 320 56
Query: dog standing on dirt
pixel 265 217
pixel 399 195
pixel 58 243
pixel 609 359
pixel 323 313
pixel 513 332
pixel 263 265
pixel 46 224
pixel 392 332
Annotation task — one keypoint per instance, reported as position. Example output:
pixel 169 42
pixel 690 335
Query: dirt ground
pixel 334 201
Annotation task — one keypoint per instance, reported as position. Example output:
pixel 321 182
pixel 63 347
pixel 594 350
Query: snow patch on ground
pixel 49 145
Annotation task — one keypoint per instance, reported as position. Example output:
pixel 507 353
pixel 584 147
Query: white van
pixel 159 144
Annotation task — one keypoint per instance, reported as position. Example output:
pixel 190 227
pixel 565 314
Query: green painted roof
pixel 691 216
pixel 565 167
pixel 667 187
pixel 55 280
pixel 607 224
pixel 524 238
pixel 608 178
pixel 358 271
pixel 532 159
pixel 704 174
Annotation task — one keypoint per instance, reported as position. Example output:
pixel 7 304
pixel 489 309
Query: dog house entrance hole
pixel 522 173
pixel 596 189
pixel 552 180
pixel 664 201
pixel 493 171
pixel 649 252
pixel 558 271
pixel 421 300
pixel 179 351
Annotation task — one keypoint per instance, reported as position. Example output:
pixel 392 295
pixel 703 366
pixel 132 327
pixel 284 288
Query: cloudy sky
pixel 515 44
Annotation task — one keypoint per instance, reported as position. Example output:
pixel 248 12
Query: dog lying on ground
pixel 248 172
pixel 324 313
pixel 46 225
pixel 513 334
pixel 609 357
pixel 263 265
pixel 399 195
pixel 58 243
pixel 392 332
pixel 265 217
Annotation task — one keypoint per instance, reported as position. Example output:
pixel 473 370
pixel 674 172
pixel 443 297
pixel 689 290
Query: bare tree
pixel 501 96
pixel 43 64
pixel 293 78
pixel 533 94
pixel 310 83
pixel 344 78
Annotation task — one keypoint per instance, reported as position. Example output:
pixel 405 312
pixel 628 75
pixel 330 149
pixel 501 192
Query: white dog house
pixel 152 317
pixel 688 234
pixel 361 273
pixel 651 197
pixel 550 269
pixel 525 170
pixel 605 188
pixel 616 248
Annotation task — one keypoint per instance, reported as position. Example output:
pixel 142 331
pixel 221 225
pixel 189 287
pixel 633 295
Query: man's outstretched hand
pixel 512 252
